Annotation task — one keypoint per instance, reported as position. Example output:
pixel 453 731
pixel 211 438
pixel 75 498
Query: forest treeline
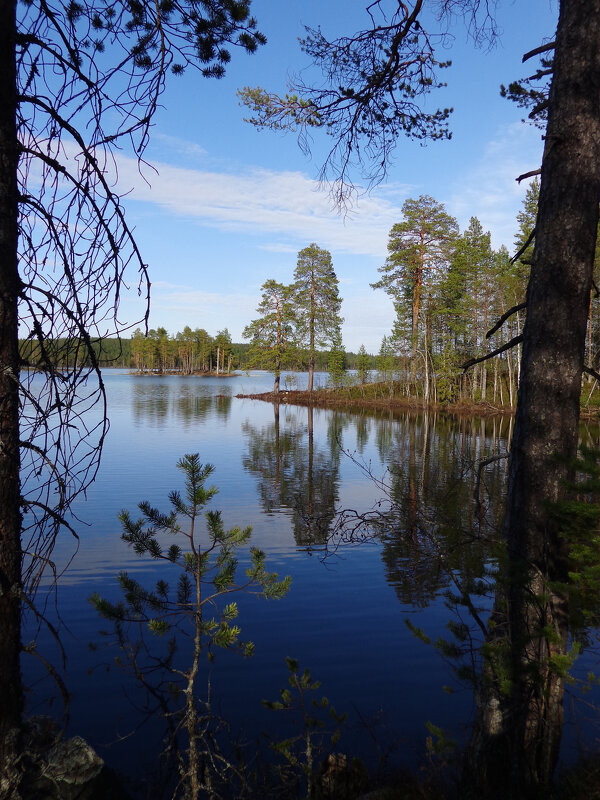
pixel 187 352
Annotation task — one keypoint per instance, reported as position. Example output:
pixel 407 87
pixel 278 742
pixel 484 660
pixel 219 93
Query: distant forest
pixel 187 353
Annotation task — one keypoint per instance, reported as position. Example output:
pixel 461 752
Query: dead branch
pixel 520 252
pixel 509 345
pixel 531 174
pixel 504 317
pixel 543 48
pixel 591 371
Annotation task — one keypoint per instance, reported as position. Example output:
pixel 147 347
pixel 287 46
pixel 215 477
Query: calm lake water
pixel 287 474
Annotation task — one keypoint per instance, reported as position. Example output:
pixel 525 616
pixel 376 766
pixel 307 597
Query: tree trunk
pixel 311 333
pixel 11 693
pixel 523 728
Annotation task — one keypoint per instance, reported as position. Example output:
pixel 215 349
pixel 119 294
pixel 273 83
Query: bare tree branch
pixel 472 361
pixel 543 48
pixel 591 371
pixel 504 317
pixel 520 252
pixel 531 174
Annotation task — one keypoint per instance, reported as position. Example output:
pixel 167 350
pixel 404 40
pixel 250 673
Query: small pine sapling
pixel 301 751
pixel 189 612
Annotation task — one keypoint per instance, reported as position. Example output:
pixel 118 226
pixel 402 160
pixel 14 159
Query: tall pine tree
pixel 419 250
pixel 317 303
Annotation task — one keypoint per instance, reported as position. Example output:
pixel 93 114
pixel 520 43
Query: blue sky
pixel 230 207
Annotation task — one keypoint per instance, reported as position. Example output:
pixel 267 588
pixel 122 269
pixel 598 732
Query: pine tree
pixel 472 264
pixel 271 333
pixel 204 345
pixel 386 360
pixel 189 616
pixel 419 250
pixel 363 364
pixel 317 303
pixel 223 354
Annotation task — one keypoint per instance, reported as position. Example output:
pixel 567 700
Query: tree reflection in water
pixel 439 522
pixel 293 473
pixel 185 404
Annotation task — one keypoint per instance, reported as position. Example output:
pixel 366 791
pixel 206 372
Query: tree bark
pixel 11 693
pixel 311 345
pixel 523 727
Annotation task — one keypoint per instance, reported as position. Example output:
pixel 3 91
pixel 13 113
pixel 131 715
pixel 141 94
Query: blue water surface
pixel 345 615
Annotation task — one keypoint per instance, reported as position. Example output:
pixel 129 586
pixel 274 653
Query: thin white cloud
pixel 178 146
pixel 278 247
pixel 489 190
pixel 185 297
pixel 168 285
pixel 210 310
pixel 261 201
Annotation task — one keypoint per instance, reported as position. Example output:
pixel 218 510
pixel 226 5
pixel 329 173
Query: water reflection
pixel 185 401
pixel 425 519
pixel 296 474
pixel 439 521
pixel 432 553
pixel 431 530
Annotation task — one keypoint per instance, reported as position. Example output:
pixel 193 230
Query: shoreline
pixel 334 399
pixel 198 373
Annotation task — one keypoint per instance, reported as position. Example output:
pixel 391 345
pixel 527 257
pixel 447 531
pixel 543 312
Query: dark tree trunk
pixel 559 287
pixel 11 695
pixel 523 728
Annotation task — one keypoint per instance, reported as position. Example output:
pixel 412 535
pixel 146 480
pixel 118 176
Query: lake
pixel 289 472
